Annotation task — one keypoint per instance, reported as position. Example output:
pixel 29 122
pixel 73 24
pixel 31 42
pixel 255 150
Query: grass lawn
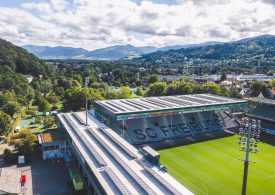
pixel 213 167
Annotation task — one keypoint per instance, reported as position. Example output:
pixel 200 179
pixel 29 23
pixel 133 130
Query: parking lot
pixel 50 177
pixel 43 177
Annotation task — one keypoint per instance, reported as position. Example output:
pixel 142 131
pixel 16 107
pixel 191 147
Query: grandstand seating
pixel 264 111
pixel 141 131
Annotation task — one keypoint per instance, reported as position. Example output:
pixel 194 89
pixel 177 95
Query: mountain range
pixel 260 48
pixel 109 53
pixel 130 51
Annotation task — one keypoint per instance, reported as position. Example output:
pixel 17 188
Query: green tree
pixel 153 78
pixel 272 83
pixel 259 87
pixel 75 97
pixel 53 99
pixel 223 77
pixel 140 91
pixel 45 87
pixel 125 92
pixel 49 121
pixel 235 93
pixel 157 89
pixel 28 142
pixel 225 91
pixel 138 82
pixel 12 107
pixel 5 123
pixel 180 88
pixel 39 120
pixel 42 104
pixel 212 88
pixel 78 78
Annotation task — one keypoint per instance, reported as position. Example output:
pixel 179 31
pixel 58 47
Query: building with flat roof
pixel 53 145
pixel 125 109
pixel 109 163
pixel 10 181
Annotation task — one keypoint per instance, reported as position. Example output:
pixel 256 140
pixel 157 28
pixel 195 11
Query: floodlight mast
pixel 249 134
pixel 86 85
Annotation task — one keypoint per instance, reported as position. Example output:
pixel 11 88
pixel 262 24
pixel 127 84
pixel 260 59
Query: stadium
pixel 181 144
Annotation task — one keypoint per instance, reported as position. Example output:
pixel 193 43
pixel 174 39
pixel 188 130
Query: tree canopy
pixel 5 123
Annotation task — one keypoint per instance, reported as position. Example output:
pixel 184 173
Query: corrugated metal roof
pixel 124 106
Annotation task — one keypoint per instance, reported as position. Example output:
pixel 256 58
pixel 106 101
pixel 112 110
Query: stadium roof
pixel 124 109
pixel 262 100
pixel 117 165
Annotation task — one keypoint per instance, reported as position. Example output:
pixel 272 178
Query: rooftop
pixel 118 166
pixel 50 137
pixel 178 103
pixel 262 100
pixel 10 181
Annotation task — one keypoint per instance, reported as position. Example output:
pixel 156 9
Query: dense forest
pixel 19 60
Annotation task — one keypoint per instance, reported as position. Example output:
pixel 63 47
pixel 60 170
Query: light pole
pixel 86 85
pixel 249 134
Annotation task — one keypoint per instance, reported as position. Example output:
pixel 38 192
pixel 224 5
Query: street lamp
pixel 86 85
pixel 248 140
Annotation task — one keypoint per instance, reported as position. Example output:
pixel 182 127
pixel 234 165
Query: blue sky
pixel 94 24
pixel 17 3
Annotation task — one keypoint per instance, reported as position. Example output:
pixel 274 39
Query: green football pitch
pixel 215 167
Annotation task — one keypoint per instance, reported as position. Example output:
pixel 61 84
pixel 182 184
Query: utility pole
pixel 86 86
pixel 249 134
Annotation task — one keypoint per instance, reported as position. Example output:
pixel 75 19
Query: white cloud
pixel 99 23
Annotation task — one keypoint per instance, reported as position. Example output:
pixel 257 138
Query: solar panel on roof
pixel 220 97
pixel 156 103
pixel 174 101
pixel 109 107
pixel 94 153
pixel 79 119
pixel 117 107
pixel 159 179
pixel 213 99
pixel 122 188
pixel 193 99
pixel 158 100
pixel 128 107
pixel 133 105
pixel 118 143
pixel 143 104
pixel 124 165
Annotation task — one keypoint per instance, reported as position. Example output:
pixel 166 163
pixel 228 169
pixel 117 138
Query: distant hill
pixel 176 47
pixel 20 60
pixel 119 51
pixel 59 52
pixel 256 47
pixel 209 50
pixel 109 53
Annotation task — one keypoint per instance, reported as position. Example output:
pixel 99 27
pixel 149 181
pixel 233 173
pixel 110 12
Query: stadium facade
pixel 154 119
pixel 105 152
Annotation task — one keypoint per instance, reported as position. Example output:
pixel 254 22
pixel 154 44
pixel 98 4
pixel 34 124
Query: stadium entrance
pixel 156 119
